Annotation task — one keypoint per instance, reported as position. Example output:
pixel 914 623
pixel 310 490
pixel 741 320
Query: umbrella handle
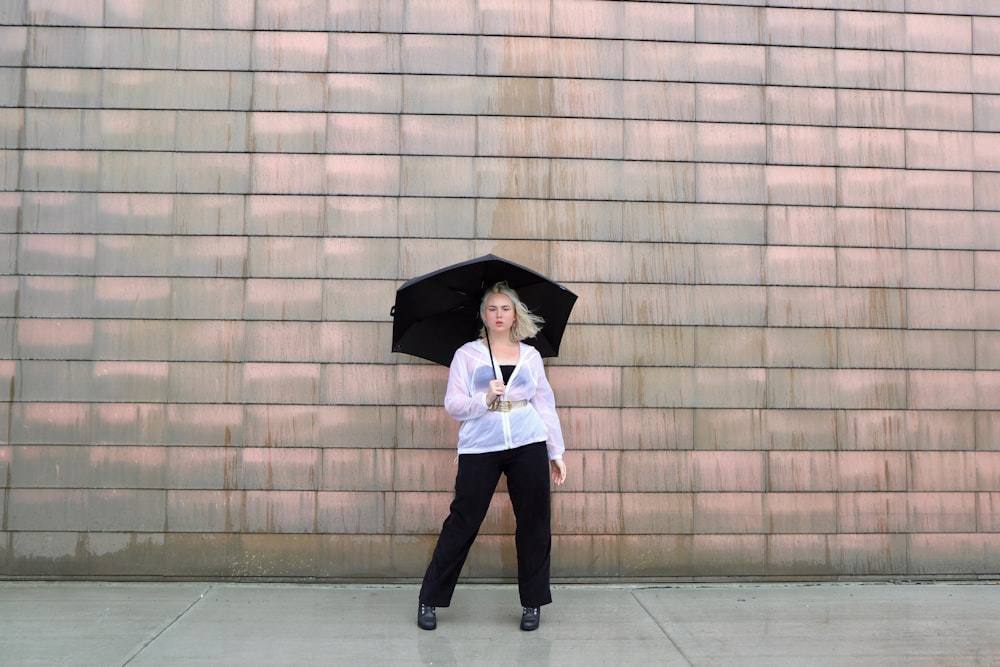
pixel 489 347
pixel 492 365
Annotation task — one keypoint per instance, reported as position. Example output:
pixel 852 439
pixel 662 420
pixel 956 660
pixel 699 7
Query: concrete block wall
pixel 782 219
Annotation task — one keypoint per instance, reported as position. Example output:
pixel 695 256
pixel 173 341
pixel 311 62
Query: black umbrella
pixel 438 312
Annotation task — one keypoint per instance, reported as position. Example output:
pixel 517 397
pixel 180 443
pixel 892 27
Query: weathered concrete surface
pixel 156 625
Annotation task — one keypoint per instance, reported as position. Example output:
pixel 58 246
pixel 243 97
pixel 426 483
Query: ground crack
pixel 166 627
pixel 663 629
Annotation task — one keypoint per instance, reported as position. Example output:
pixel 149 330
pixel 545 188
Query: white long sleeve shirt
pixel 483 430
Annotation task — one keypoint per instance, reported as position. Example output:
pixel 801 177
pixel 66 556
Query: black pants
pixel 527 470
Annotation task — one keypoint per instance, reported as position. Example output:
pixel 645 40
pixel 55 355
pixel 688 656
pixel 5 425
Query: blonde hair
pixel 526 323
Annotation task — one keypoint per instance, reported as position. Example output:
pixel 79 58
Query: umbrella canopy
pixel 438 312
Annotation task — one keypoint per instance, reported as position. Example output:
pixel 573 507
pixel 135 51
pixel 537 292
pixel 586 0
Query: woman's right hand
pixel 497 389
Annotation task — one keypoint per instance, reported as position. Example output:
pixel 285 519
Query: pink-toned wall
pixel 782 219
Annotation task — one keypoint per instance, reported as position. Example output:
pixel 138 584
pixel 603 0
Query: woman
pixel 508 426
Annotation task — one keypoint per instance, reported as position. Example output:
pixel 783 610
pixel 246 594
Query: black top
pixel 506 372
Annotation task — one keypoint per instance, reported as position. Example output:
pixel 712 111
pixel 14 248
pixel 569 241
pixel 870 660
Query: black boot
pixel 530 617
pixel 426 617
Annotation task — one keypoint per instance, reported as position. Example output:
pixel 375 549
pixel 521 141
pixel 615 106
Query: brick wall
pixel 783 222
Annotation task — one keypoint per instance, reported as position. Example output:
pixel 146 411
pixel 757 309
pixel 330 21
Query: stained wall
pixel 782 219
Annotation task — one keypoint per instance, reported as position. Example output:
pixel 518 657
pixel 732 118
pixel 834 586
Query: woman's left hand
pixel 558 471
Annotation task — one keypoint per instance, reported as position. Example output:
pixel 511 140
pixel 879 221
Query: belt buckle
pixel 501 406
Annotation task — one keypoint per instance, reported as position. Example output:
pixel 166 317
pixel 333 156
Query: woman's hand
pixel 497 389
pixel 558 471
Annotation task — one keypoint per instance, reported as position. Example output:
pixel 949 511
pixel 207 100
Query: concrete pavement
pixel 180 624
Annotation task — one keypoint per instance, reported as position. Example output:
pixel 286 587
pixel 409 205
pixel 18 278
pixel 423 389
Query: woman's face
pixel 499 314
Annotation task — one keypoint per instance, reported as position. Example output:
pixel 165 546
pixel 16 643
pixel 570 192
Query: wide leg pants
pixel 527 471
